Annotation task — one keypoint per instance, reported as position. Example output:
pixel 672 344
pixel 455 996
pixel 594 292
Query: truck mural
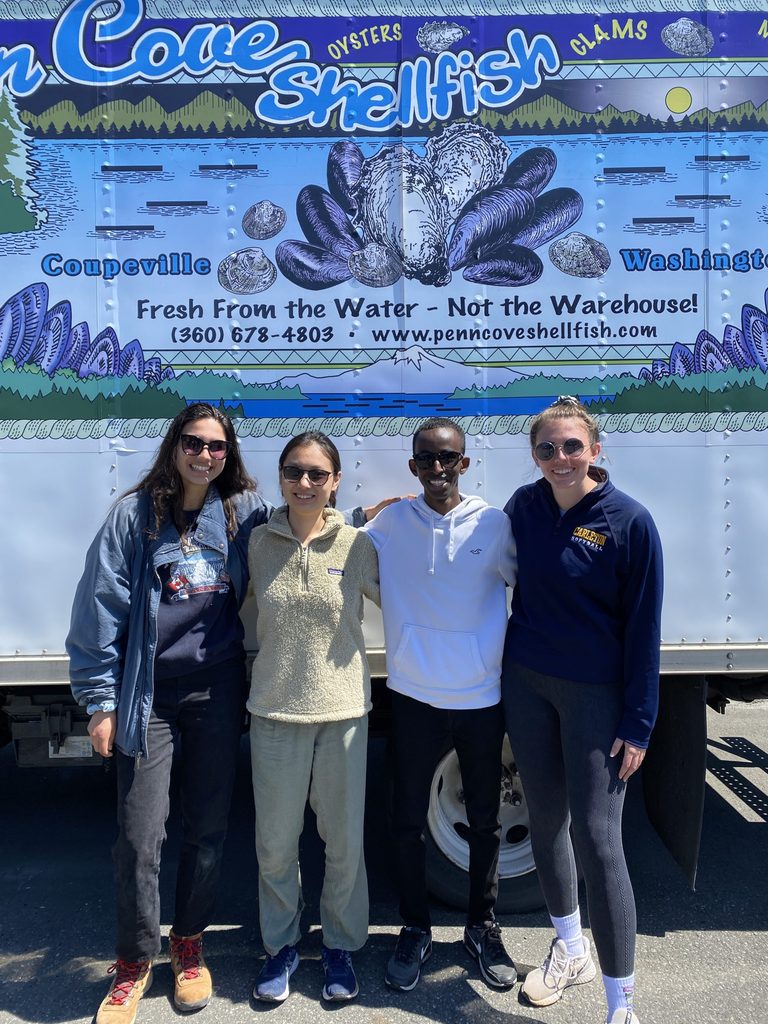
pixel 327 219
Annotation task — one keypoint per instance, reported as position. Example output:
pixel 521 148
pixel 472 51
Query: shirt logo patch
pixel 335 572
pixel 475 551
pixel 589 538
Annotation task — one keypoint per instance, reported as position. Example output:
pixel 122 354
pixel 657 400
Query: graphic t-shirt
pixel 197 620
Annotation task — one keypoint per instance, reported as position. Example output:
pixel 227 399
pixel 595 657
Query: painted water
pixel 133 200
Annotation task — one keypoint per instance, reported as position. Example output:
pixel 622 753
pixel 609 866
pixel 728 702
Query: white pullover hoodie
pixel 443 599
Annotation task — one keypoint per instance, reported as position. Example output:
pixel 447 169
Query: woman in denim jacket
pixel 156 654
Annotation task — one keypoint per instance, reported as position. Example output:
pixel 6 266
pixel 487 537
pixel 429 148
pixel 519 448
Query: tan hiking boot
pixel 193 987
pixel 121 1003
pixel 546 984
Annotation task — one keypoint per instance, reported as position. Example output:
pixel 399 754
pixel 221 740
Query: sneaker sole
pixel 337 998
pixel 494 982
pixel 582 979
pixel 282 995
pixel 409 988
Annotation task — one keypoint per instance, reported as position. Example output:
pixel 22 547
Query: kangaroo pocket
pixel 432 658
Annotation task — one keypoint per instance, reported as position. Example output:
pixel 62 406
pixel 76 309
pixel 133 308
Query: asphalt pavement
pixel 701 956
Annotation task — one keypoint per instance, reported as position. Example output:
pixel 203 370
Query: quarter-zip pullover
pixel 587 606
pixel 311 664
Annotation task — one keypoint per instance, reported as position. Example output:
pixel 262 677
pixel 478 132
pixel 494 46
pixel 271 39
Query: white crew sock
pixel 569 930
pixel 619 992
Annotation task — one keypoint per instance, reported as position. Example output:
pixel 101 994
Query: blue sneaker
pixel 273 982
pixel 340 981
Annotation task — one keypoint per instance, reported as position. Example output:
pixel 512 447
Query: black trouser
pixel 420 735
pixel 202 713
pixel 561 734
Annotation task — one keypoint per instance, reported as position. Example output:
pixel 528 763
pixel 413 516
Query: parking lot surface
pixel 702 956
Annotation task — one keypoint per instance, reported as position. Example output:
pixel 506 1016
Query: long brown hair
pixel 164 486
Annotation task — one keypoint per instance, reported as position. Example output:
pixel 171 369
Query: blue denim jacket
pixel 113 630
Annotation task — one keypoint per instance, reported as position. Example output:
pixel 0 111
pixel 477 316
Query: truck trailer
pixel 353 217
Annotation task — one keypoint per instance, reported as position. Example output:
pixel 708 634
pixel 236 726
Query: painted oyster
pixel 400 204
pixel 246 272
pixel 263 220
pixel 467 158
pixel 436 36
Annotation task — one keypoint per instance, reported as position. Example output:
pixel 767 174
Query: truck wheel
pixel 447 849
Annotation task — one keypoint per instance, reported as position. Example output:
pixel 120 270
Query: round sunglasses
pixel 572 448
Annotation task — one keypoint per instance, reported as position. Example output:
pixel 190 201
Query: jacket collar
pixel 210 531
pixel 279 524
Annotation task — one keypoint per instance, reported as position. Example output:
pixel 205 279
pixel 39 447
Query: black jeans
pixel 201 714
pixel 420 736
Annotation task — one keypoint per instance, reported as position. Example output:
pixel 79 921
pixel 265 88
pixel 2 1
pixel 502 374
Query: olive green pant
pixel 325 763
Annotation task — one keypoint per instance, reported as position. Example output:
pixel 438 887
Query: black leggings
pixel 561 733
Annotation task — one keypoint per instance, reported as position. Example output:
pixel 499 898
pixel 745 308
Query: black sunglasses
pixel 545 450
pixel 426 460
pixel 191 444
pixel 315 476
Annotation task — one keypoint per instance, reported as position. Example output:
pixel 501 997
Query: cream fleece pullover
pixel 311 664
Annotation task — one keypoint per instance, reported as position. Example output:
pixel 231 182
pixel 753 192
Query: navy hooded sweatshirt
pixel 587 604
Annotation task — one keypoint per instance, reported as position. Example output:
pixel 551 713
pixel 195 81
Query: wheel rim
pixel 447 819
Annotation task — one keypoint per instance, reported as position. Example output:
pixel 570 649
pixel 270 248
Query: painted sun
pixel 678 100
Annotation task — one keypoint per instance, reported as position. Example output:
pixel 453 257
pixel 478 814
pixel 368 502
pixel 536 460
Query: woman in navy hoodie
pixel 580 691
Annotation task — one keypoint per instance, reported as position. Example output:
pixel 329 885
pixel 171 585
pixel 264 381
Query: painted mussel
pixel 532 170
pixel 311 266
pixel 345 161
pixel 488 223
pixel 324 223
pixel 520 266
pixel 555 212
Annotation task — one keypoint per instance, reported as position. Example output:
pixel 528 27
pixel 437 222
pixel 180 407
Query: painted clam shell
pixel 264 220
pixel 247 271
pixel 375 265
pixel 579 255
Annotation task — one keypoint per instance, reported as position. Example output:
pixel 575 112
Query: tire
pixel 448 852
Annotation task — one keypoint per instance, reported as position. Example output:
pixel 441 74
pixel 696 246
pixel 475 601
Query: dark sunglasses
pixel 315 476
pixel 545 450
pixel 191 444
pixel 426 460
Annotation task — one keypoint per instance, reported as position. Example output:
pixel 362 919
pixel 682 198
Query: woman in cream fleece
pixel 309 701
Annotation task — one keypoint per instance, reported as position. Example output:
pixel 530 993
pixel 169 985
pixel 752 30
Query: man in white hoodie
pixel 445 560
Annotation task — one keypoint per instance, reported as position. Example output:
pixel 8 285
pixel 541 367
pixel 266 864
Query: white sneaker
pixel 624 1016
pixel 546 984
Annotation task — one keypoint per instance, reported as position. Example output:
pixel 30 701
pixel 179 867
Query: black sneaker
pixel 414 947
pixel 484 943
